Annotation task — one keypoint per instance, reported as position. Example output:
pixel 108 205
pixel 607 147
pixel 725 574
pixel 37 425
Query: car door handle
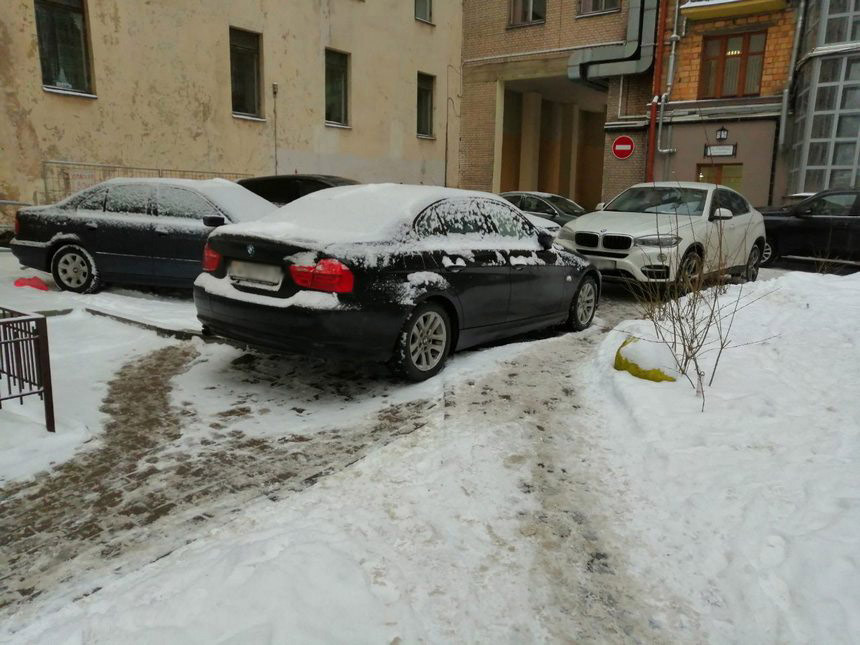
pixel 91 225
pixel 161 230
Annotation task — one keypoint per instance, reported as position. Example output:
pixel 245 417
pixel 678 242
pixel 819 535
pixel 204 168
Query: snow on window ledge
pixel 64 92
pixel 248 117
pixel 335 124
pixel 426 137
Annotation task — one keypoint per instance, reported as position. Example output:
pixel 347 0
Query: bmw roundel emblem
pixel 250 249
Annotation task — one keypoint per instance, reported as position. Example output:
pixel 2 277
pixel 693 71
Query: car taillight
pixel 211 259
pixel 17 225
pixel 326 275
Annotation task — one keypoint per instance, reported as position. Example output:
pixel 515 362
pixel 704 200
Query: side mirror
pixel 600 206
pixel 722 213
pixel 546 239
pixel 801 212
pixel 213 221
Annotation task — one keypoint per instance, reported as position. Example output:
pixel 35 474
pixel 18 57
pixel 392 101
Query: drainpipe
pixel 656 85
pixel 786 93
pixel 670 82
pixel 633 56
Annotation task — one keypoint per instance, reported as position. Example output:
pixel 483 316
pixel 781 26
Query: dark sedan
pixel 132 231
pixel 555 208
pixel 283 189
pixel 825 226
pixel 404 274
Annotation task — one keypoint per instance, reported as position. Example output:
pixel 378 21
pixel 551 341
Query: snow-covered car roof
pixel 677 184
pixel 361 213
pixel 237 201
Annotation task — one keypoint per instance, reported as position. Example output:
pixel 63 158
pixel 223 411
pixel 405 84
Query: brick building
pixel 525 123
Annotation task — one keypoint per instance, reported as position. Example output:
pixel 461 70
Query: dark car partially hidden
pixel 283 189
pixel 131 231
pixel 825 226
pixel 403 274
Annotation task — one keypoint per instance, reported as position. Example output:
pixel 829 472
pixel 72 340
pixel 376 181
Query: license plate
pixel 252 274
pixel 603 265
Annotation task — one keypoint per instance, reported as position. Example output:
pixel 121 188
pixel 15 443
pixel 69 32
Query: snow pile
pixel 653 361
pixel 749 509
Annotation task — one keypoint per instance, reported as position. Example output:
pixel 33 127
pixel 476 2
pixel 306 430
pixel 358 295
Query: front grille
pixel 587 239
pixel 617 242
pixel 605 254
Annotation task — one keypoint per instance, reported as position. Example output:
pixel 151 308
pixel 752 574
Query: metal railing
pixel 25 366
pixel 62 178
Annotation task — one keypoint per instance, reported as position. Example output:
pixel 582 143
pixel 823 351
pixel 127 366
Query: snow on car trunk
pixel 750 509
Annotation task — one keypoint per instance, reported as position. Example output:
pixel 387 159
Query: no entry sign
pixel 623 147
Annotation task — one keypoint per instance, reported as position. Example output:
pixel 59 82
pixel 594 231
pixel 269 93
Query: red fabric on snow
pixel 36 283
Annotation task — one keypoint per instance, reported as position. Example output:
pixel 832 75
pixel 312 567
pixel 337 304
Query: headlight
pixel 665 241
pixel 566 233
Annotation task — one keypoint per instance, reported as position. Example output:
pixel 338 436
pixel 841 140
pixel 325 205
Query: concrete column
pixel 530 142
pixel 574 149
pixel 499 137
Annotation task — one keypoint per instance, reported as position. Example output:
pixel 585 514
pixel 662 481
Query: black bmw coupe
pixel 403 274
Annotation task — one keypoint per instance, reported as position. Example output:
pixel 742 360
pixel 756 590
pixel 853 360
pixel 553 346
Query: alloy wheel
pixel 73 270
pixel 753 264
pixel 427 340
pixel 586 302
pixel 767 254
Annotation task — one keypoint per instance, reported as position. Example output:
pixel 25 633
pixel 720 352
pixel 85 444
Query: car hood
pixel 634 224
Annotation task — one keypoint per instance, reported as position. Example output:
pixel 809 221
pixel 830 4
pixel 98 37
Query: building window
pixel 843 22
pixel 424 10
pixel 425 105
pixel 524 12
pixel 62 33
pixel 732 65
pixel 245 72
pixel 598 6
pixel 336 87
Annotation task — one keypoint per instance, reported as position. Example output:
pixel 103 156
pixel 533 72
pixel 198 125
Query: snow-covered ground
pixel 528 493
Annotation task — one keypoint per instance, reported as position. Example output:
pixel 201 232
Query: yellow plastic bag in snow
pixel 625 361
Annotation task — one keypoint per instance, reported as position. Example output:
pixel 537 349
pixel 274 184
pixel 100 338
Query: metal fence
pixel 25 366
pixel 62 178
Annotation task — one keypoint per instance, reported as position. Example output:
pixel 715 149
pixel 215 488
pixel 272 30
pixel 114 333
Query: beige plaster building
pixel 96 88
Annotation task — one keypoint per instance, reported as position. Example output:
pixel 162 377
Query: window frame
pixel 581 11
pixel 56 5
pixel 431 133
pixel 345 106
pixel 429 18
pixel 513 21
pixel 258 71
pixel 721 58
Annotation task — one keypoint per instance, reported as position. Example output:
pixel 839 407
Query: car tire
pixel 74 269
pixel 584 304
pixel 690 271
pixel 753 263
pixel 423 344
pixel 769 253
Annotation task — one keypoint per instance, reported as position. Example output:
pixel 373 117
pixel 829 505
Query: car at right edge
pixel 663 232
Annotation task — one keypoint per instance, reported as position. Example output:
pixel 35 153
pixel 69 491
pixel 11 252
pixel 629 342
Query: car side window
pixel 727 199
pixel 95 201
pixel 506 221
pixel 179 202
pixel 534 204
pixel 836 204
pixel 452 217
pixel 513 199
pixel 128 199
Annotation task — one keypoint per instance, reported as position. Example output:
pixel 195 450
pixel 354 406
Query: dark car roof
pixel 331 180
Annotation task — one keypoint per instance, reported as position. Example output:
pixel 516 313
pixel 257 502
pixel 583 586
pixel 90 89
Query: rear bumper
pixel 347 334
pixel 31 254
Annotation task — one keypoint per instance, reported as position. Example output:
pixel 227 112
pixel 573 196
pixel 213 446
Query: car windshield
pixel 565 205
pixel 669 200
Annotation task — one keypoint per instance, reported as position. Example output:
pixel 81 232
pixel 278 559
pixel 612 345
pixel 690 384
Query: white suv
pixel 663 231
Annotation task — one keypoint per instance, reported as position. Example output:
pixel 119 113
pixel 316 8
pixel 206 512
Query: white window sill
pixel 426 22
pixel 426 137
pixel 59 90
pixel 248 117
pixel 340 126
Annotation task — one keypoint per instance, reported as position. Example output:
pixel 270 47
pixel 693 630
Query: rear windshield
pixel 663 200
